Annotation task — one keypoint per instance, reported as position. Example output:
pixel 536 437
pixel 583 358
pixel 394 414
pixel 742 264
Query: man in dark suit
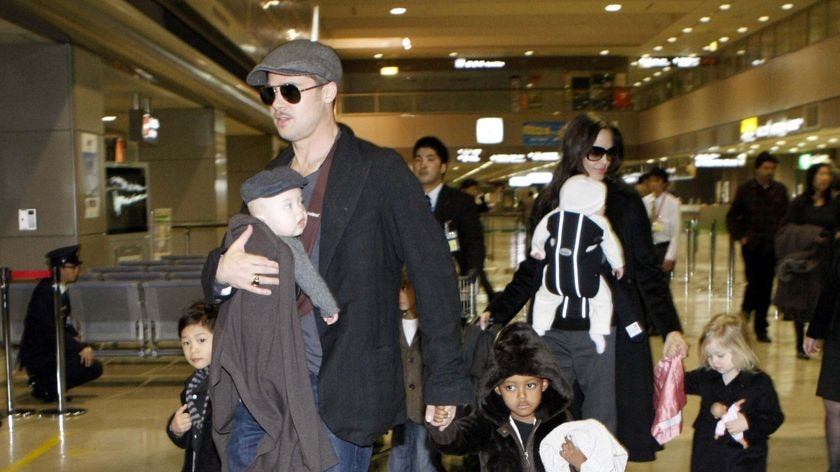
pixel 455 210
pixel 367 219
pixel 37 346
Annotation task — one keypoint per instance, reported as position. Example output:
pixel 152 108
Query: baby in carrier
pixel 576 237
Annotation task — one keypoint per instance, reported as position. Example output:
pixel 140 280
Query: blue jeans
pixel 351 457
pixel 412 451
pixel 245 435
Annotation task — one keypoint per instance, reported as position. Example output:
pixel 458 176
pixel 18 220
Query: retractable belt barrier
pixel 6 277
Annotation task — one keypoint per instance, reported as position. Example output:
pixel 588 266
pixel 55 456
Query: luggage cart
pixel 468 290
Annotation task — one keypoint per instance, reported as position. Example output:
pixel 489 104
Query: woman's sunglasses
pixel 597 152
pixel 289 92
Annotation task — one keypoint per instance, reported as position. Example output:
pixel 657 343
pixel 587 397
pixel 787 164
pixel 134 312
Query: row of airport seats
pixel 184 267
pixel 123 317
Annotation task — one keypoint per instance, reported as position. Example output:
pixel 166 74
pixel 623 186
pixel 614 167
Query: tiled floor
pixel 127 409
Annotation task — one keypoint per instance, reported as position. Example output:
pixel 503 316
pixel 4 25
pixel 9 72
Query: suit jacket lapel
pixel 347 180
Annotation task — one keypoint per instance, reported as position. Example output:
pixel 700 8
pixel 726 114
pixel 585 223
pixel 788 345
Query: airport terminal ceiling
pixel 437 30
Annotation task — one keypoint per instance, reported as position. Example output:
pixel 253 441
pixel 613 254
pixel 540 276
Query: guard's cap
pixel 298 57
pixel 64 255
pixel 270 182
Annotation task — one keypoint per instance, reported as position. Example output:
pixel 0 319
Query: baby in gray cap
pixel 274 196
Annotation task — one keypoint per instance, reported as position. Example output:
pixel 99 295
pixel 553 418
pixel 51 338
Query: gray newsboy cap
pixel 270 182
pixel 298 57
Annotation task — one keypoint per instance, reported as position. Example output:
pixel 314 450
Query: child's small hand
pixel 739 424
pixel 538 254
pixel 572 454
pixel 440 416
pixel 330 319
pixel 618 273
pixel 181 421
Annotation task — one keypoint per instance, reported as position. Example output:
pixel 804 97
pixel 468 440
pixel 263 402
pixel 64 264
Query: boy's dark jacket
pixel 205 458
pixel 487 430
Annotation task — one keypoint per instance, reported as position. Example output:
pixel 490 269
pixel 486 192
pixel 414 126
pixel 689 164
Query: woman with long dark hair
pixel 617 385
pixel 813 217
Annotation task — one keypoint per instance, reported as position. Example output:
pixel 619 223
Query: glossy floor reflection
pixel 127 409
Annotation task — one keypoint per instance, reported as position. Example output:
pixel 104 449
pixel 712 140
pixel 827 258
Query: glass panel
pixel 799 31
pixel 782 38
pixel 818 22
pixel 834 16
pixel 767 42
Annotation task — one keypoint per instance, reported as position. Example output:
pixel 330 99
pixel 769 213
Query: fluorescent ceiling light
pixel 398 11
pixel 613 7
pixel 389 70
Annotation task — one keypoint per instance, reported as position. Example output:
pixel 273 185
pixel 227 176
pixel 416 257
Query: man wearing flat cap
pixel 38 344
pixel 367 218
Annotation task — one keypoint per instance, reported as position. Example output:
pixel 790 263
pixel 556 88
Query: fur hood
pixel 520 351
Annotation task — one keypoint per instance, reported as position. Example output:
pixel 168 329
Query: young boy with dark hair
pixel 521 398
pixel 191 426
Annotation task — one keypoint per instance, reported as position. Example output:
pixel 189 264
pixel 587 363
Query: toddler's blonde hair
pixel 730 332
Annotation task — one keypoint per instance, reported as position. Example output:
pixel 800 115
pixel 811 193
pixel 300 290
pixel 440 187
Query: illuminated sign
pixel 469 155
pixel 681 61
pixel 713 160
pixel 462 63
pixel 750 133
pixel 508 158
pixel 544 156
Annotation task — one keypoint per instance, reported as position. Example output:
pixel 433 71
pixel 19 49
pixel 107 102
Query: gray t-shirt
pixel 311 338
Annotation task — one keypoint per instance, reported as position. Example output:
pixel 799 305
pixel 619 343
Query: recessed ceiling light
pixel 646 55
pixel 725 6
pixel 821 146
pixel 781 142
pixel 832 140
pixel 613 7
pixel 529 53
pixel 657 48
pixel 646 79
pixel 634 64
pixel 672 39
pixel 666 68
pixel 604 52
pixel 657 73
pixel 730 150
pixel 774 148
pixel 787 6
pixel 705 19
pixel 743 29
pixel 109 118
pixel 763 19
pixel 453 54
pixel 406 43
pixel 812 138
pixel 723 39
pixel 637 84
pixel 378 55
pixel 688 29
pixel 707 48
pixel 741 52
pixel 398 11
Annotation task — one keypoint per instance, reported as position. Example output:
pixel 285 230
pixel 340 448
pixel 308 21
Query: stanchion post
pixel 712 253
pixel 60 370
pixel 730 272
pixel 5 280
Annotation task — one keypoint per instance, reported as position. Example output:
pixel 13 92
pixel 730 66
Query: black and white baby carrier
pixel 575 258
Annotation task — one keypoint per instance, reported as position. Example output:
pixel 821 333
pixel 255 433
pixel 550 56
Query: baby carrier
pixel 575 257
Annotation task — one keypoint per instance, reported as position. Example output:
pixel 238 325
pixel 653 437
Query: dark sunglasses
pixel 597 152
pixel 289 92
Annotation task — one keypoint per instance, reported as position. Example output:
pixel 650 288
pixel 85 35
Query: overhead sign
pixel 751 130
pixel 542 133
pixel 679 61
pixel 462 63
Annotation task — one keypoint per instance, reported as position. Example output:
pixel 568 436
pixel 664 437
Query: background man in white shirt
pixel 664 211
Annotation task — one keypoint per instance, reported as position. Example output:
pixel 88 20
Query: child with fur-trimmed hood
pixel 521 398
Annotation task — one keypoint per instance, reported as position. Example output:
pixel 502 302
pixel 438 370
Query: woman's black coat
pixel 642 294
